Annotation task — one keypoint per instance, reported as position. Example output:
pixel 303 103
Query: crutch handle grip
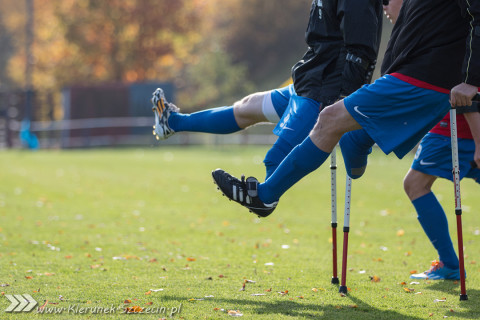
pixel 475 107
pixel 473 164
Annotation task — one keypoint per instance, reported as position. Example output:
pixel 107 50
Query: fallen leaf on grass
pixel 283 292
pixel 68 257
pixel 413 271
pixel 28 277
pixel 191 259
pixel 235 313
pixel 409 290
pixel 4 285
pixel 268 290
pixel 400 233
pixel 149 303
pixel 403 283
pixel 375 279
pixel 353 306
pixel 127 301
pixel 148 292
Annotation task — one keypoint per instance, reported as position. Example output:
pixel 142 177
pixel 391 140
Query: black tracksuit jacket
pixel 335 29
pixel 436 41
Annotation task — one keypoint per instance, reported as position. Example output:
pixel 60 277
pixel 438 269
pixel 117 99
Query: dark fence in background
pixel 81 116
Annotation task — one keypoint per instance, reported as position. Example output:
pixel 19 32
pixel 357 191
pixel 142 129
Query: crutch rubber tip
pixel 463 297
pixel 335 280
pixel 343 289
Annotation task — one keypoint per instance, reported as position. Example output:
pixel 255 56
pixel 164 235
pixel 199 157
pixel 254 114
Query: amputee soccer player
pixel 433 160
pixel 343 42
pixel 434 50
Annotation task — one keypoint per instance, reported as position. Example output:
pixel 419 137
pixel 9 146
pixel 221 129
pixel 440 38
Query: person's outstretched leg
pixel 303 159
pixel 333 122
pixel 356 146
pixel 221 120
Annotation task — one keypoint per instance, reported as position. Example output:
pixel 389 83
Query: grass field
pixel 147 228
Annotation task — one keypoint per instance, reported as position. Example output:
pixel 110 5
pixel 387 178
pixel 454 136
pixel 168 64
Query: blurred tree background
pixel 213 50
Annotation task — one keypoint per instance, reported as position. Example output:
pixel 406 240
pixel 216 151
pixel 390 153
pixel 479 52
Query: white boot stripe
pixel 234 192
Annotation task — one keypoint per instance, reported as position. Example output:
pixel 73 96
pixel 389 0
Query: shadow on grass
pixel 308 310
pixel 472 305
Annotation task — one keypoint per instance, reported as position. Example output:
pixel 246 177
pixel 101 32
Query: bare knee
pixel 417 184
pixel 248 111
pixel 332 123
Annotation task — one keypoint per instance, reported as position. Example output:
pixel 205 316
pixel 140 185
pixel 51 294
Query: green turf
pixel 85 229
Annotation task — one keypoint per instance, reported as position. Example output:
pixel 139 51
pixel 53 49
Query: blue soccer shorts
pixel 396 114
pixel 298 119
pixel 434 157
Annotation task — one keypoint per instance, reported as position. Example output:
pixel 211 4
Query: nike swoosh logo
pixel 423 163
pixel 287 128
pixel 358 111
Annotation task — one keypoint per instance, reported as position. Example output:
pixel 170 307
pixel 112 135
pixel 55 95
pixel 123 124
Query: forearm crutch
pixel 458 204
pixel 333 179
pixel 346 230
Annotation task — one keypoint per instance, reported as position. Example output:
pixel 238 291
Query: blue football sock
pixel 217 120
pixel 303 159
pixel 280 149
pixel 435 224
pixel 356 146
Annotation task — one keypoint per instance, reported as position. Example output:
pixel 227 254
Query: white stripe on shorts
pixel 268 110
